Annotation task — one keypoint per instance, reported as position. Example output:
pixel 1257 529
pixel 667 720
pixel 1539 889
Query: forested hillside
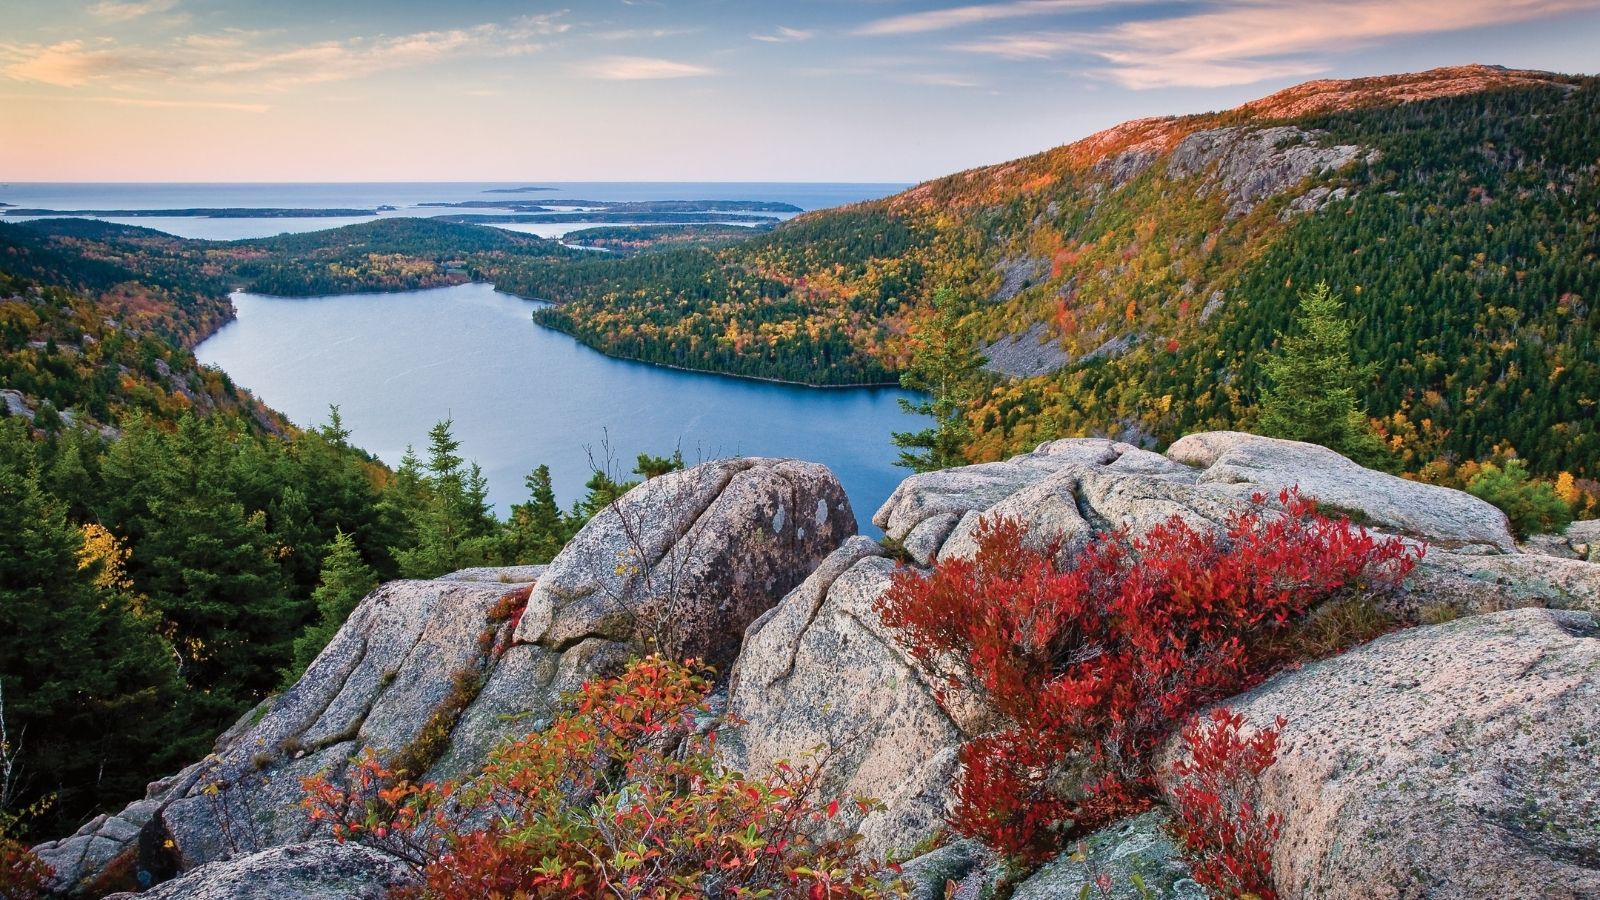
pixel 1128 284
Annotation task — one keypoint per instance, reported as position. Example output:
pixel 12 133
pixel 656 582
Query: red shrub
pixel 1098 661
pixel 1217 820
pixel 23 875
pixel 622 796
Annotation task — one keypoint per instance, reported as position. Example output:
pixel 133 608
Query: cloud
pixel 123 10
pixel 937 79
pixel 785 35
pixel 1257 40
pixel 238 60
pixel 956 17
pixel 74 63
pixel 641 68
pixel 643 34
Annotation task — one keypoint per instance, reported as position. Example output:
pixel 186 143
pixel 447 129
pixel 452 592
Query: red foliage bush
pixel 1098 661
pixel 1217 820
pixel 619 797
pixel 23 876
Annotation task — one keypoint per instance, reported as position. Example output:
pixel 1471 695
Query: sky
pixel 679 90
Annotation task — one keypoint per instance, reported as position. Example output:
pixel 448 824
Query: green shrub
pixel 1533 506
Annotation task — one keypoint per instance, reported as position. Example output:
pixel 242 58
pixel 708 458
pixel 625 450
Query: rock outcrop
pixel 1036 351
pixel 1133 860
pixel 1448 760
pixel 707 550
pixel 1456 760
pixel 315 870
pixel 1247 165
pixel 820 669
pixel 689 559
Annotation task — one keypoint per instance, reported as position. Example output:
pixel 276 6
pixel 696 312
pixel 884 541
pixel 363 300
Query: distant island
pixel 689 206
pixel 605 217
pixel 197 213
pixel 519 190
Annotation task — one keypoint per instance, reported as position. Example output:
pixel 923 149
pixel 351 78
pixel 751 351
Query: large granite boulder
pixel 822 681
pixel 687 560
pixel 1243 464
pixel 1456 760
pixel 698 554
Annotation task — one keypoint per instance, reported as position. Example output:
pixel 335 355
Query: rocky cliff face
pixel 1449 760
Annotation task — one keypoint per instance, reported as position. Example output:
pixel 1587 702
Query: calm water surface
pixel 521 394
pixel 405 196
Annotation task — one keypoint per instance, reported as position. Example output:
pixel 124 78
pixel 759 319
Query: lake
pixel 521 394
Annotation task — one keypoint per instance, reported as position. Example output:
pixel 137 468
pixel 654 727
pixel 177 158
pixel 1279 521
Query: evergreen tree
pixel 537 530
pixel 603 490
pixel 345 580
pixel 945 367
pixel 1314 392
pixel 90 691
pixel 454 526
pixel 208 564
pixel 656 466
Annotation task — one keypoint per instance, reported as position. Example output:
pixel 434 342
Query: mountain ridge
pixel 1142 270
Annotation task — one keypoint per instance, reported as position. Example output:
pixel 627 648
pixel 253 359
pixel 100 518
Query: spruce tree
pixel 656 466
pixel 945 367
pixel 537 530
pixel 345 580
pixel 1314 387
pixel 208 563
pixel 91 693
pixel 454 526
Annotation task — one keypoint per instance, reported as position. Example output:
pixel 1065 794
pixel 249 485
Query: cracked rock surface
pixel 1454 760
pixel 709 549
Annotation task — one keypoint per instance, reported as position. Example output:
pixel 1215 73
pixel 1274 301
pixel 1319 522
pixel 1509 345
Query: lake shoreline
pixel 660 365
pixel 522 394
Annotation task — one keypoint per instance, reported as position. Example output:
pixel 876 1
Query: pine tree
pixel 537 530
pixel 1313 391
pixel 345 580
pixel 208 563
pixel 454 526
pixel 945 368
pixel 656 466
pixel 91 692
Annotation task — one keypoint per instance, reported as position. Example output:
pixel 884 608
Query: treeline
pixel 810 302
pixel 395 254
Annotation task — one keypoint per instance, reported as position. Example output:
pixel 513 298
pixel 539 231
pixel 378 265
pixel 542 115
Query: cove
pixel 521 394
